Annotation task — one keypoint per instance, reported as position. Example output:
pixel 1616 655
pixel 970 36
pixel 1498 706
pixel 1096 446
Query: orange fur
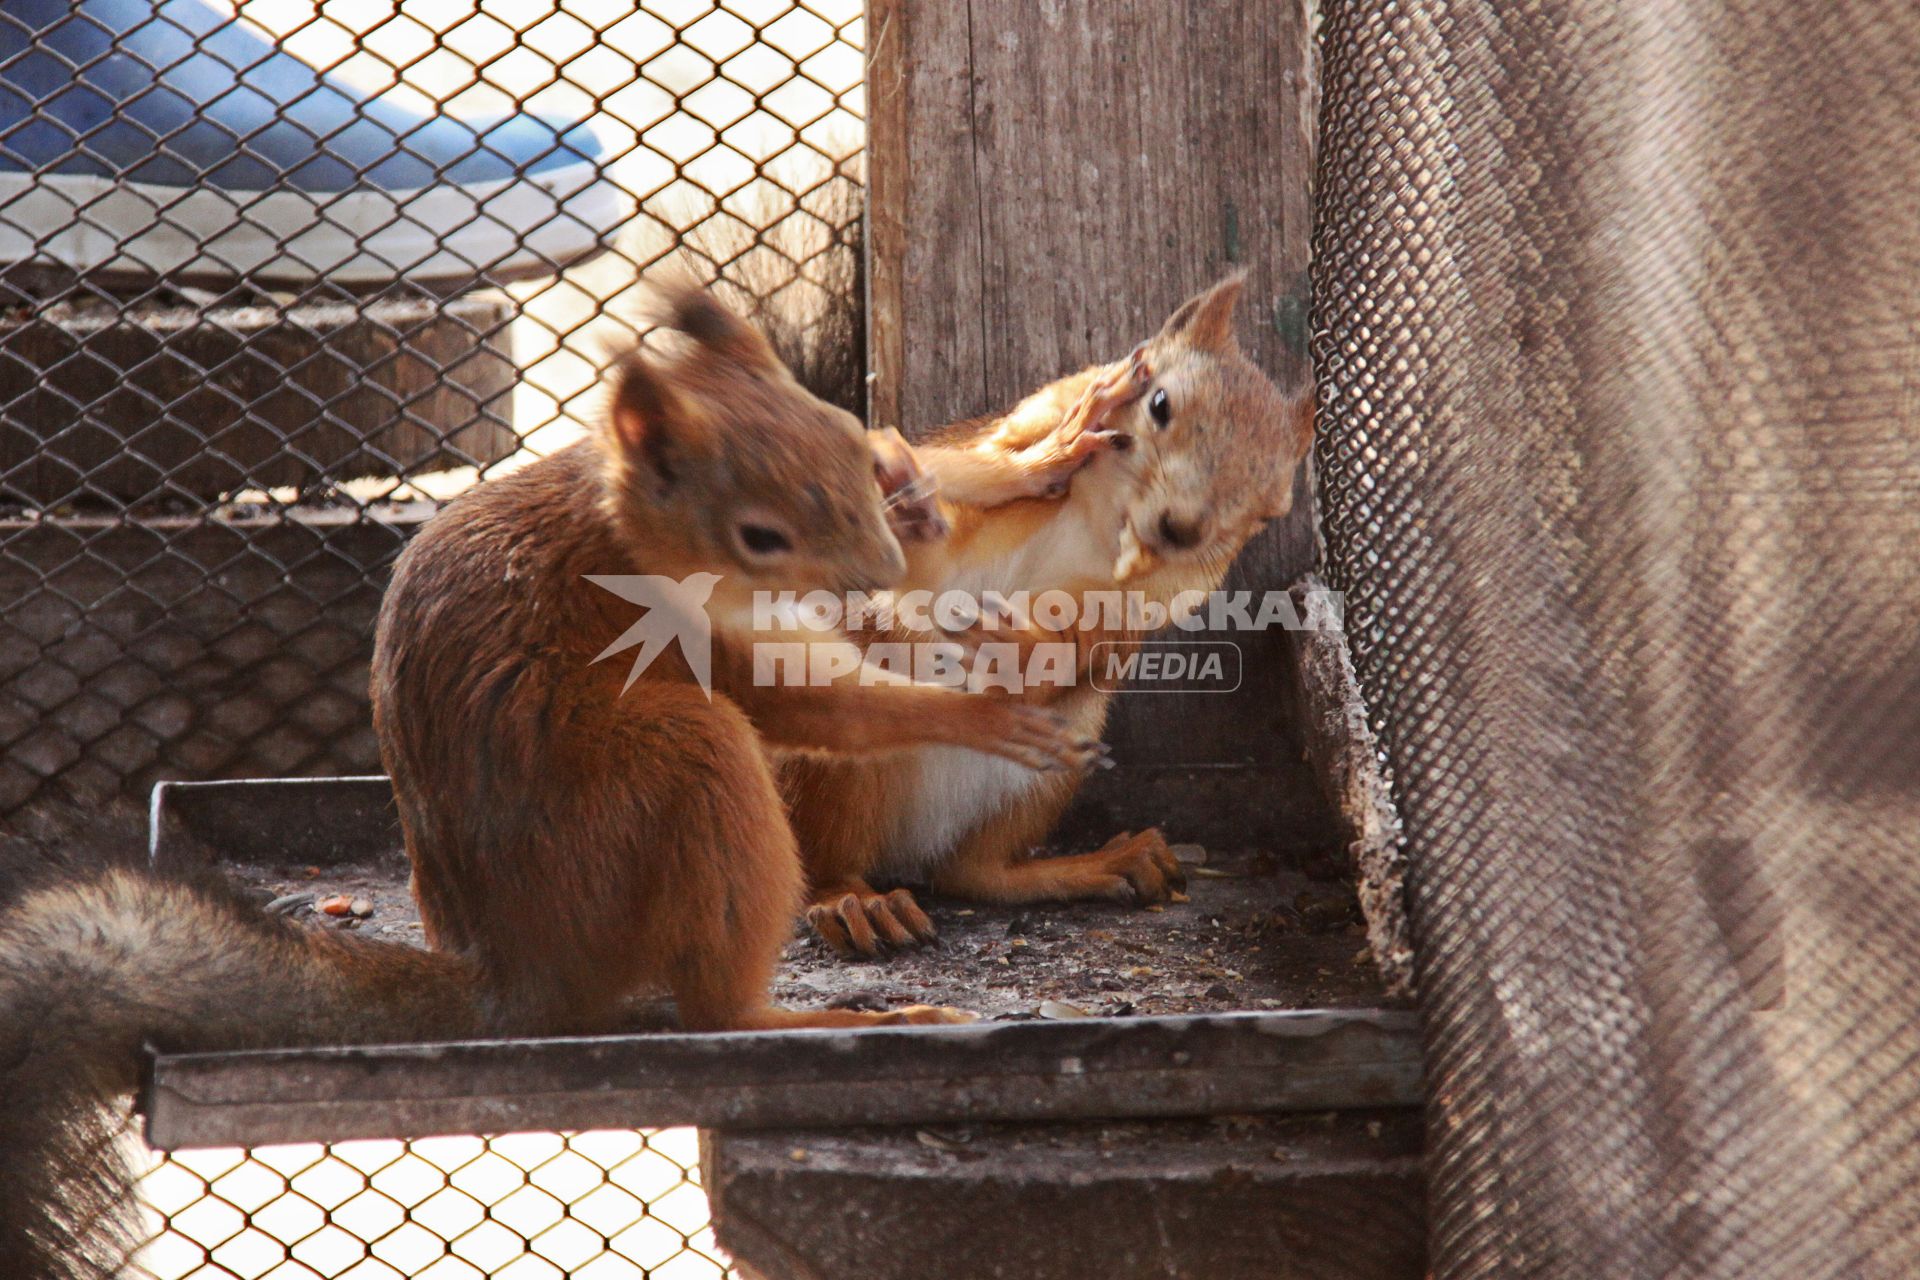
pixel 578 843
pixel 1218 469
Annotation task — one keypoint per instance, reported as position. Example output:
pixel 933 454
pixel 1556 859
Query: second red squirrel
pixel 1215 448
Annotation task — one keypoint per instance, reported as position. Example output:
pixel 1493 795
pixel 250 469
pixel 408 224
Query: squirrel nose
pixel 1180 534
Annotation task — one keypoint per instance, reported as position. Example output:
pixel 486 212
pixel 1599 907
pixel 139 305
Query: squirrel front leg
pixel 1024 638
pixel 1039 450
pixel 822 694
pixel 1034 451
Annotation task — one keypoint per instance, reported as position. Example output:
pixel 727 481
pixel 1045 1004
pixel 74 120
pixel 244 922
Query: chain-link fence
pixel 276 278
pixel 1620 363
pixel 603 1204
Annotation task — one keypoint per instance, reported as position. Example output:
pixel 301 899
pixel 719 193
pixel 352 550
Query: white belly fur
pixel 952 791
pixel 948 793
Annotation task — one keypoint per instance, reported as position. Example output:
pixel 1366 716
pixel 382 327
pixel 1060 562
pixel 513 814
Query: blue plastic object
pixel 101 99
pixel 176 93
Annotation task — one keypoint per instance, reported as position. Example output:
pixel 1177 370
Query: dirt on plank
pixel 1255 934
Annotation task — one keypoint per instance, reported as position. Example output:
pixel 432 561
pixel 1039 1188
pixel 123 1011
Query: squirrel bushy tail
pixel 815 313
pixel 94 967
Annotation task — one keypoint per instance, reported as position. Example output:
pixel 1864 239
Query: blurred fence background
pixel 600 1205
pixel 204 481
pixel 202 484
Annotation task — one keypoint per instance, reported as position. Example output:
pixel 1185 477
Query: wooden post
pixel 886 91
pixel 1046 182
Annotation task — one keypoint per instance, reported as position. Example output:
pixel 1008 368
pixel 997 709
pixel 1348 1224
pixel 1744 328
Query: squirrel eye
pixel 762 541
pixel 1160 408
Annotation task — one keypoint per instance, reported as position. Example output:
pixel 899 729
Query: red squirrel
pixel 1215 447
pixel 574 840
pixel 579 834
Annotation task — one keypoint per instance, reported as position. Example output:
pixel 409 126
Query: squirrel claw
pixel 1143 866
pixel 862 924
pixel 1086 431
pixel 1041 740
pixel 1115 391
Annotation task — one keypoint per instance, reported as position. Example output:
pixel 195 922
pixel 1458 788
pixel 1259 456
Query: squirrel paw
pixel 1064 457
pixel 1142 867
pixel 911 494
pixel 867 925
pixel 1087 430
pixel 1038 738
pixel 1119 388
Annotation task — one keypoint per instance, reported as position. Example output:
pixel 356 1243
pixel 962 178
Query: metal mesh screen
pixel 1620 359
pixel 603 1204
pixel 275 278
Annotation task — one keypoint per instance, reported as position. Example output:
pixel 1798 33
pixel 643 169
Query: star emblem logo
pixel 676 614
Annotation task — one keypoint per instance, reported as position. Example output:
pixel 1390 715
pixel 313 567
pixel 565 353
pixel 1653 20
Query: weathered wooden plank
pixel 1269 1198
pixel 1077 169
pixel 322 821
pixel 887 161
pixel 1301 1060
pixel 1094 1067
pixel 1345 757
pixel 937 208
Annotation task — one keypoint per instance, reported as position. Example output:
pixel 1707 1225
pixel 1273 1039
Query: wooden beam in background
pixel 887 161
pixel 1048 181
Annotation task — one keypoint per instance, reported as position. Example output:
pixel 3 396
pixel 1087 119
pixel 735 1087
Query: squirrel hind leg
pixel 774 1018
pixel 720 960
pixel 723 986
pixel 729 998
pixel 1139 869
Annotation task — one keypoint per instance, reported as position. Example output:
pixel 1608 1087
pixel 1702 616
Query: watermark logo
pixel 676 615
pixel 1166 666
pixel 1008 642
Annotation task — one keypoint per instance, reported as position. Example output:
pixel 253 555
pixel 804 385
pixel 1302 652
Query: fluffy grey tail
pixel 93 968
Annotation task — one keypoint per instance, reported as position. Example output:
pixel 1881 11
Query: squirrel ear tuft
pixel 647 415
pixel 684 307
pixel 1206 319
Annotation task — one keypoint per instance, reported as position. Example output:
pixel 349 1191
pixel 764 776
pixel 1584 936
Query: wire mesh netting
pixel 1620 362
pixel 602 1204
pixel 276 278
